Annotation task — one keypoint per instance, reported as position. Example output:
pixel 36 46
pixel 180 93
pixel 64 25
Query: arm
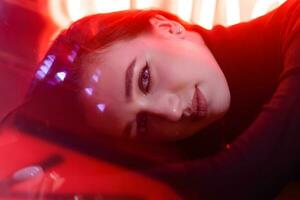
pixel 266 155
pixel 258 163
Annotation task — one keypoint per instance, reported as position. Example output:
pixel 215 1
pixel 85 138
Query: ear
pixel 167 27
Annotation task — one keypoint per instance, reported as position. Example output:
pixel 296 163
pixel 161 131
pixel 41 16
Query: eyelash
pixel 144 81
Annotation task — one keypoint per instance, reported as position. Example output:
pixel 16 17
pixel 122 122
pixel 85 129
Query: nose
pixel 165 105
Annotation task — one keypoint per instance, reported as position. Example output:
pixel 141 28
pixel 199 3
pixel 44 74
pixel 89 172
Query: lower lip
pixel 199 105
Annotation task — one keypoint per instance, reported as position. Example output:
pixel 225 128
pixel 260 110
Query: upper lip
pixel 198 107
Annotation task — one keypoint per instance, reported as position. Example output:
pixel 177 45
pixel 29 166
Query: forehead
pixel 115 57
pixel 113 61
pixel 126 47
pixel 108 67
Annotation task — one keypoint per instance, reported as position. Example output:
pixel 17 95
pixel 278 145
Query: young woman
pixel 146 75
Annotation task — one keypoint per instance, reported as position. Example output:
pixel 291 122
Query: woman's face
pixel 158 86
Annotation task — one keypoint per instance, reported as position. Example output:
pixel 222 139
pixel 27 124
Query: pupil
pixel 145 77
pixel 146 74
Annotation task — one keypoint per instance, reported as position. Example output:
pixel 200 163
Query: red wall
pixel 22 27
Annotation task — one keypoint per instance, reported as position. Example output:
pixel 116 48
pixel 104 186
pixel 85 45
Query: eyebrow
pixel 128 79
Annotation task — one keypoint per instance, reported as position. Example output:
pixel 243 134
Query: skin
pixel 177 61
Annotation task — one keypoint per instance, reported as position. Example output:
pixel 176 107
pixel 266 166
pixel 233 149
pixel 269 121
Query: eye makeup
pixel 140 125
pixel 128 79
pixel 144 80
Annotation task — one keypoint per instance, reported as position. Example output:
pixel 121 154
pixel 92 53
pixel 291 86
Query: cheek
pixel 179 64
pixel 172 71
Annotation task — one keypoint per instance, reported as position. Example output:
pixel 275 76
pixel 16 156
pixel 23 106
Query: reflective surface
pixel 40 169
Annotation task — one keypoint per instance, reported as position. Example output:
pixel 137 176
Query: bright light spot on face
pixel 89 91
pixel 61 76
pixel 95 78
pixel 101 107
pixel 45 67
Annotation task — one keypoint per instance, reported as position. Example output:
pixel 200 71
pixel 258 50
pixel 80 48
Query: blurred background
pixel 27 28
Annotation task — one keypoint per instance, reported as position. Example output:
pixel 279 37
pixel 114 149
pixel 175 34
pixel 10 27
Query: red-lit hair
pixel 56 101
pixel 101 30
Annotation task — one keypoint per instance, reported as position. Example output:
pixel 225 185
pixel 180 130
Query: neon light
pixel 45 67
pixel 89 91
pixel 95 78
pixel 61 76
pixel 101 107
pixel 40 75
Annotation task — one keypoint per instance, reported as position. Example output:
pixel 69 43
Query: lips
pixel 199 105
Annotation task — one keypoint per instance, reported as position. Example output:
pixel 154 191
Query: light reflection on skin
pixel 60 76
pixel 173 64
pixel 95 78
pixel 89 91
pixel 101 107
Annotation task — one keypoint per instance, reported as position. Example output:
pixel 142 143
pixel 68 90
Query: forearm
pixel 261 159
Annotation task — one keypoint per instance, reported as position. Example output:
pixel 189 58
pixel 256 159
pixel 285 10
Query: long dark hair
pixel 53 96
pixel 57 80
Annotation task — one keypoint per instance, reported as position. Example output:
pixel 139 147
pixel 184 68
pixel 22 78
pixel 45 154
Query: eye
pixel 145 79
